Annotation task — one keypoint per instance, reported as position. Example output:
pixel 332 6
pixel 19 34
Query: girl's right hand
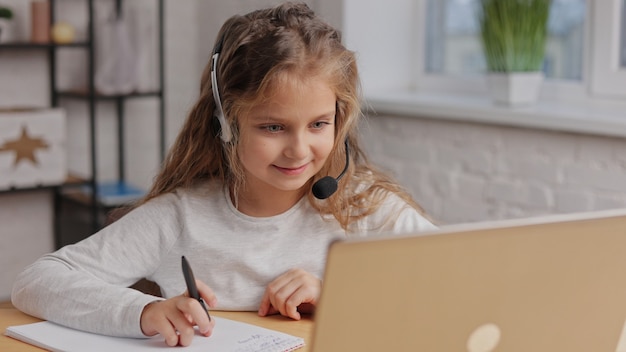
pixel 175 318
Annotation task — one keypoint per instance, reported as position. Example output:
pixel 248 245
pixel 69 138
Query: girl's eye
pixel 319 124
pixel 273 128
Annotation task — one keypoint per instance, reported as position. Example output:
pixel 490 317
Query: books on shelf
pixel 116 193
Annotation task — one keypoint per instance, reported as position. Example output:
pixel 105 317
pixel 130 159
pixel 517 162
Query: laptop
pixel 551 284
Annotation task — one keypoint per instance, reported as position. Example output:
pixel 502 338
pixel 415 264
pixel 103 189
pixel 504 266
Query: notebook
pixel 552 284
pixel 228 335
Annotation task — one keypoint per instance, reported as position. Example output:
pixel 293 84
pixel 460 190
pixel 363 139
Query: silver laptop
pixel 553 284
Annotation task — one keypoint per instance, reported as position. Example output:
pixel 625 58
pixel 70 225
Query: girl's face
pixel 287 140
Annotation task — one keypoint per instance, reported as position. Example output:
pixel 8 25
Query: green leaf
pixel 514 33
pixel 5 12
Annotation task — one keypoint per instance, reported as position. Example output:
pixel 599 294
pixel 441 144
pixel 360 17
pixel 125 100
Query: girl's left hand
pixel 293 289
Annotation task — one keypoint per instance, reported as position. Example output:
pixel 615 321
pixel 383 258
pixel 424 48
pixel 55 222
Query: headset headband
pixel 226 133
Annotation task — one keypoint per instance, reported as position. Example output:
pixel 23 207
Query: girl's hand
pixel 290 291
pixel 175 318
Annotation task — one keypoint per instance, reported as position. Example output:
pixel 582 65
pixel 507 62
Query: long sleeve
pixel 84 286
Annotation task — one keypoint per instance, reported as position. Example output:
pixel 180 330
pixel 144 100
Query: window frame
pixel 607 78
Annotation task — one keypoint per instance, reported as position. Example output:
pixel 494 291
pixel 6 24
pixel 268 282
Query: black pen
pixel 191 285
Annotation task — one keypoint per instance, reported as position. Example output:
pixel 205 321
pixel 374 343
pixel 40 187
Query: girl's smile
pixel 292 171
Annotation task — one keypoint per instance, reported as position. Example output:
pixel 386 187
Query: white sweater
pixel 84 286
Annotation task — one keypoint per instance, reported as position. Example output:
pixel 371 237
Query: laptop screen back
pixel 546 286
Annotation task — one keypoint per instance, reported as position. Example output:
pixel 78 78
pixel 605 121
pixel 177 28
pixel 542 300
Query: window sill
pixel 605 119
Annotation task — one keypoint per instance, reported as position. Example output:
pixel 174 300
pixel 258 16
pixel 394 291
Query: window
pixel 608 62
pixel 432 47
pixel 453 44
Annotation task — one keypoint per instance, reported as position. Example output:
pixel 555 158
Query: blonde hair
pixel 258 50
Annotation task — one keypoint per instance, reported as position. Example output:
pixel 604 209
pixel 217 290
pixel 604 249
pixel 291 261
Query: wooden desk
pixel 10 316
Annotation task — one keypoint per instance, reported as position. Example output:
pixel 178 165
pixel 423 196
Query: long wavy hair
pixel 258 50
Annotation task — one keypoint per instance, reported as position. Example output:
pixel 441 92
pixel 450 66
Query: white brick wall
pixel 465 172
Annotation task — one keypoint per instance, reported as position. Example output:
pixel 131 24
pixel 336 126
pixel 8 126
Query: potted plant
pixel 6 24
pixel 514 34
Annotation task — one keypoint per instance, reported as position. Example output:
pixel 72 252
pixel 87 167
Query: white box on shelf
pixel 32 148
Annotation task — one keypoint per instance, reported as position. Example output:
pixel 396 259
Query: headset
pixel 322 188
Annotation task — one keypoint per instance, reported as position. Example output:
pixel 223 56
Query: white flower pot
pixel 7 30
pixel 514 88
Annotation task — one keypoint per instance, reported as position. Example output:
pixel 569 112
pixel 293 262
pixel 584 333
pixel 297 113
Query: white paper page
pixel 228 335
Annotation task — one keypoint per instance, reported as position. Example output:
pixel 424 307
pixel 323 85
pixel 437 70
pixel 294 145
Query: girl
pixel 278 111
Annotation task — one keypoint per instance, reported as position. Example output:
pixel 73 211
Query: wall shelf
pixel 91 193
pixel 86 95
pixel 86 195
pixel 39 46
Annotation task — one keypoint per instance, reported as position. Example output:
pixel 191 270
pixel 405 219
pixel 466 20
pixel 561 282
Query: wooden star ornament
pixel 24 147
